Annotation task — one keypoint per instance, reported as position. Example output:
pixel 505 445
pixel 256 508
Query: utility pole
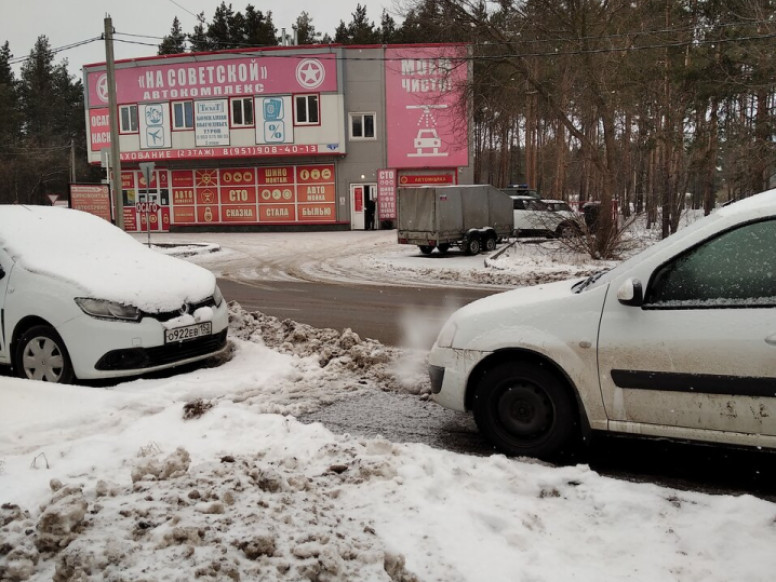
pixel 113 117
pixel 72 161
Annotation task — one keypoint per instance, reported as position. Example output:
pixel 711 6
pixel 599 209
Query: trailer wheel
pixel 443 248
pixel 490 243
pixel 426 249
pixel 472 246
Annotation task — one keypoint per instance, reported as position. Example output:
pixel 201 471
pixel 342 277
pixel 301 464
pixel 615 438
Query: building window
pixel 242 112
pixel 362 126
pixel 183 115
pixel 128 119
pixel 306 110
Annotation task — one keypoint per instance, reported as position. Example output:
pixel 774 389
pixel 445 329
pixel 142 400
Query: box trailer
pixel 471 217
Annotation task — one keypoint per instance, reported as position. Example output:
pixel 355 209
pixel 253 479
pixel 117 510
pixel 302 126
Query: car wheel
pixel 490 244
pixel 567 230
pixel 426 249
pixel 41 355
pixel 443 248
pixel 523 409
pixel 472 246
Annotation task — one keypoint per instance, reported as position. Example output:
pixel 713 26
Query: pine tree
pixel 259 29
pixel 388 31
pixel 9 99
pixel 305 31
pixel 220 32
pixel 175 42
pixel 198 39
pixel 38 98
pixel 359 31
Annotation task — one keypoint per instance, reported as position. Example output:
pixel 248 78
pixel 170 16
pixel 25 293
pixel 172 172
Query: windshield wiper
pixel 584 284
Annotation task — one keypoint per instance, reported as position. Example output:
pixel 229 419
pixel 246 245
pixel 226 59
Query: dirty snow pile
pixel 207 475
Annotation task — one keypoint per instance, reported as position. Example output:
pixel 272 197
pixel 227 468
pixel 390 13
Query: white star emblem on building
pixel 310 73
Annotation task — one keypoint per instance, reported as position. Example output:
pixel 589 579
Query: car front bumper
pixel 449 372
pixel 111 349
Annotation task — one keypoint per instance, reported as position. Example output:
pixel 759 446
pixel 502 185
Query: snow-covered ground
pixel 208 474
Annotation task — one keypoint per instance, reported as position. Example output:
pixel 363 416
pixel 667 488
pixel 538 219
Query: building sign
pixel 231 152
pixel 91 198
pixel 274 120
pixel 154 121
pixel 218 78
pixel 211 122
pixel 427 180
pixel 99 129
pixel 386 194
pixel 425 111
pixel 254 195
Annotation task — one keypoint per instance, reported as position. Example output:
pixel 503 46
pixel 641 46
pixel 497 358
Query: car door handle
pixel 771 340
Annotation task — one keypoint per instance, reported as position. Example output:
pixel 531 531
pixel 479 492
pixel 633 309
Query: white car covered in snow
pixel 678 341
pixel 80 299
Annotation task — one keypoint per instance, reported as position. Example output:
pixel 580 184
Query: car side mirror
pixel 2 273
pixel 631 292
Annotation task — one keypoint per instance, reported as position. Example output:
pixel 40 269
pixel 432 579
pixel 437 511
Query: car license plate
pixel 188 332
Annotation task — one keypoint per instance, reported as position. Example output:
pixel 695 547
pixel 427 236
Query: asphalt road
pixel 396 316
pixel 387 313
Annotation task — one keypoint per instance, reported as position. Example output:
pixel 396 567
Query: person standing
pixel 370 214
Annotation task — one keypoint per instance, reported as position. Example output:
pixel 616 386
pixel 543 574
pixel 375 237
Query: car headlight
pixel 103 309
pixel 218 297
pixel 447 335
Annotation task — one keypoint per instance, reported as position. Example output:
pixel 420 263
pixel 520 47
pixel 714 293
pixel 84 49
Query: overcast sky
pixel 67 22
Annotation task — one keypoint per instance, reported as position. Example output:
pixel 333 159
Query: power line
pixel 508 55
pixel 60 49
pixel 527 42
pixel 184 9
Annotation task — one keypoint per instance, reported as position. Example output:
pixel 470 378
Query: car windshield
pixel 535 205
pixel 603 277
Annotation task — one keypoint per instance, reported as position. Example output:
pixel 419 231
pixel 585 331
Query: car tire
pixel 41 354
pixel 567 230
pixel 524 409
pixel 472 246
pixel 426 249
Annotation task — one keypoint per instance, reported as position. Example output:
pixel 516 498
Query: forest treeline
pixel 653 105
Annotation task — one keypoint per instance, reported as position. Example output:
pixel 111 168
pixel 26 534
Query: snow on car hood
pixel 99 259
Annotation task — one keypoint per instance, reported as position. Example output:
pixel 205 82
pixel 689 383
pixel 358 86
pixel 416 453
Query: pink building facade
pixel 282 138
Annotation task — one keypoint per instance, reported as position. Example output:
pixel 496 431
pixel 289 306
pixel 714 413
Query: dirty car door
pixel 6 264
pixel 700 353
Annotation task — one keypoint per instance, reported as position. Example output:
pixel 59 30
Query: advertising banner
pixel 99 129
pixel 214 152
pixel 91 198
pixel 386 194
pixel 154 121
pixel 274 120
pixel 426 116
pixel 254 195
pixel 211 122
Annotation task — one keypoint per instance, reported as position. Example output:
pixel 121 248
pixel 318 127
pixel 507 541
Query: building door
pixel 360 197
